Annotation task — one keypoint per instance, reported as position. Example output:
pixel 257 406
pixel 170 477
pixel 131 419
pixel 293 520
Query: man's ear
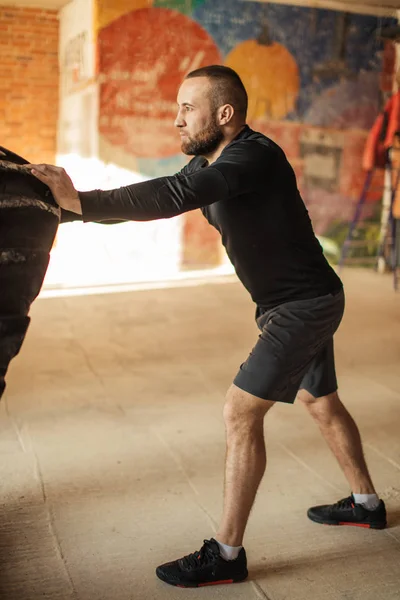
pixel 226 113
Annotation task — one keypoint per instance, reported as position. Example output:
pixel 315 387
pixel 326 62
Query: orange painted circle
pixel 270 75
pixel 143 57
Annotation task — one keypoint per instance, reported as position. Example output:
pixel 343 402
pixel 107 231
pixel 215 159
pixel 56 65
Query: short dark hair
pixel 227 87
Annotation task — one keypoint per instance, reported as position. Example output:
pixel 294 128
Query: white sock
pixel 228 552
pixel 368 501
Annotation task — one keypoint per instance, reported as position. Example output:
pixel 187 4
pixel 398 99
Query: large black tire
pixel 29 218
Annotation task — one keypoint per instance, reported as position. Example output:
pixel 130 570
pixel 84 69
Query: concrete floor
pixel 112 450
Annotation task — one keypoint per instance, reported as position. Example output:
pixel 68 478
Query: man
pixel 247 190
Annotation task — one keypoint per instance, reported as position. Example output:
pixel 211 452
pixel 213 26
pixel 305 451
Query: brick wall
pixel 29 81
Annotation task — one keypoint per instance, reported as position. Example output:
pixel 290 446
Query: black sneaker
pixel 347 512
pixel 205 567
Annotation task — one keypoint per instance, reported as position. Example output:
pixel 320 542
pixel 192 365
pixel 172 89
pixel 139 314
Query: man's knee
pixel 323 408
pixel 242 409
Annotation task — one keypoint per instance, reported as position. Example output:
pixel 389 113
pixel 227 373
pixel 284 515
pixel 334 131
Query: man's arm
pixel 159 198
pixel 67 217
pixel 237 171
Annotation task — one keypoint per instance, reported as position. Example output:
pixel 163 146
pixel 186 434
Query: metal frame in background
pixel 388 253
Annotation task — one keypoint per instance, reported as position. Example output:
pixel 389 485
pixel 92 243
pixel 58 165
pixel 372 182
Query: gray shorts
pixel 294 350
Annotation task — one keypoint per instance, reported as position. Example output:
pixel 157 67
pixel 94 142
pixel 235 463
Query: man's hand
pixel 60 184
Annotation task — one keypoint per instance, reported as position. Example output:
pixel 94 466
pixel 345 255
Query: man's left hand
pixel 60 184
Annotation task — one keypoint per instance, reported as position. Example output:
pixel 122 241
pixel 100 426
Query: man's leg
pixel 291 335
pixel 223 560
pixel 245 461
pixel 363 508
pixel 342 436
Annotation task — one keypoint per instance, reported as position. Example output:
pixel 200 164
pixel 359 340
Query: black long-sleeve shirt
pixel 249 194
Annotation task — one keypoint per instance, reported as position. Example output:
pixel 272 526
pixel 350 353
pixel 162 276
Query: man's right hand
pixel 60 184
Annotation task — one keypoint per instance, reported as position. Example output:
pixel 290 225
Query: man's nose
pixel 179 121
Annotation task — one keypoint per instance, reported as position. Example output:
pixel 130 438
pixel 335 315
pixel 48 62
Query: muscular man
pixel 246 188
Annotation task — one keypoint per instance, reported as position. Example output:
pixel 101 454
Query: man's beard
pixel 204 143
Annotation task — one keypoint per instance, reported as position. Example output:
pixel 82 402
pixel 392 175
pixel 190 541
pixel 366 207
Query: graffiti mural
pixel 140 72
pixel 314 79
